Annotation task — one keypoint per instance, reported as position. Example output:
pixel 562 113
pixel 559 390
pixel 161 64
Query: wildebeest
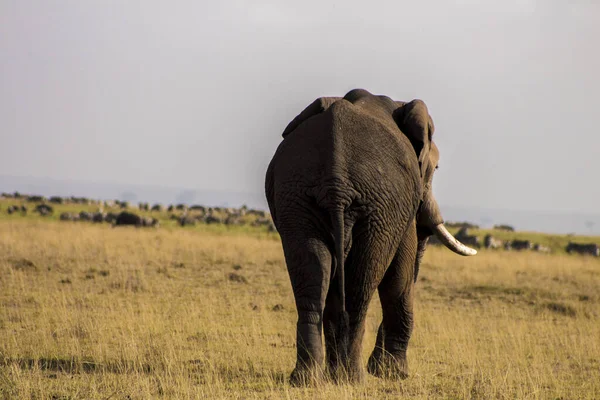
pixel 67 216
pixel 186 220
pixel 463 236
pixel 111 217
pixel 128 218
pixel 157 207
pixel 583 248
pixel 521 245
pixel 490 242
pixel 541 248
pixel 44 209
pixel 212 219
pixel 233 220
pixel 56 200
pixel 86 216
pixel 99 217
pixel 258 213
pixel 149 221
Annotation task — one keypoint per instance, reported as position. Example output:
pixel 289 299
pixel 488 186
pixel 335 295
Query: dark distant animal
pixel 12 209
pixel 67 216
pixel 157 207
pixel 56 200
pixel 98 217
pixel 463 236
pixel 490 242
pixel 583 248
pixel 86 216
pixel 349 190
pixel 212 219
pixel 186 220
pixel 541 248
pixel 258 213
pixel 44 209
pixel 233 220
pixel 111 217
pixel 150 222
pixel 128 218
pixel 521 244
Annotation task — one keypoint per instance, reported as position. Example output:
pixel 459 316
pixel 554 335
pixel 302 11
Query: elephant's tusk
pixel 450 241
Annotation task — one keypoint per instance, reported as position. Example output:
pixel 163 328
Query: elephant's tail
pixel 344 323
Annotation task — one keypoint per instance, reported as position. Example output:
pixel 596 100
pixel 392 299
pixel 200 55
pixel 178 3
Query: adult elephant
pixel 349 189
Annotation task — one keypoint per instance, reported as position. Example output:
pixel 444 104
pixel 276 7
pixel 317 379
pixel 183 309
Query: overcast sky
pixel 196 94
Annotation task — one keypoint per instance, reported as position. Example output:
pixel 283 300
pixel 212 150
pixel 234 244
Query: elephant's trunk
pixel 450 241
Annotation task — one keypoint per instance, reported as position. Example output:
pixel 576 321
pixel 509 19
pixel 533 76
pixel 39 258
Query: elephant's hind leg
pixel 309 265
pixel 396 294
pixel 331 329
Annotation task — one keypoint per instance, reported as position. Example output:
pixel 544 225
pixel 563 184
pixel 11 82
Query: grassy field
pixel 92 312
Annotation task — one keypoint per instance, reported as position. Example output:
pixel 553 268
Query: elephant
pixel 349 191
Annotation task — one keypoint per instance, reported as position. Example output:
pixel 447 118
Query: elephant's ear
pixel 316 107
pixel 414 121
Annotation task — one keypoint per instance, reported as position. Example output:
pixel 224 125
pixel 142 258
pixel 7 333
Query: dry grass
pixel 93 312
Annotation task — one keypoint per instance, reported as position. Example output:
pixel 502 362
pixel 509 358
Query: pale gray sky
pixel 196 94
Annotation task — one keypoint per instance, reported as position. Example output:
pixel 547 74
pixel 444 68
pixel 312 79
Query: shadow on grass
pixel 199 368
pixel 75 366
pixel 226 373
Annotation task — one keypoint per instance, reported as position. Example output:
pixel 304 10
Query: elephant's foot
pixel 388 366
pixel 306 376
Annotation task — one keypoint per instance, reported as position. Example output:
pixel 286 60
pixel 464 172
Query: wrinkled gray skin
pixel 349 189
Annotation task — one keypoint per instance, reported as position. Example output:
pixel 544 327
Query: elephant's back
pixel 379 159
pixel 351 150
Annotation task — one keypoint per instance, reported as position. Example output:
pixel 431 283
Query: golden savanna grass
pixel 90 311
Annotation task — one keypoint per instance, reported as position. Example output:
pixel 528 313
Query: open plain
pixel 95 312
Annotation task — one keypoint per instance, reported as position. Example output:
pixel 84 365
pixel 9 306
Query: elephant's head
pixel 414 121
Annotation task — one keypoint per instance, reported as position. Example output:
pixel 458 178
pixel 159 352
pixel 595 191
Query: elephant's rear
pixel 348 157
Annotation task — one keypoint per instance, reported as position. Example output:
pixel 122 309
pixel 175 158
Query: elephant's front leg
pixel 309 267
pixel 396 294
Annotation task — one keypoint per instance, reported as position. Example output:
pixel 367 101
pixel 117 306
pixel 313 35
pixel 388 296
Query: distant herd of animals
pixel 490 242
pixel 191 215
pixel 184 215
